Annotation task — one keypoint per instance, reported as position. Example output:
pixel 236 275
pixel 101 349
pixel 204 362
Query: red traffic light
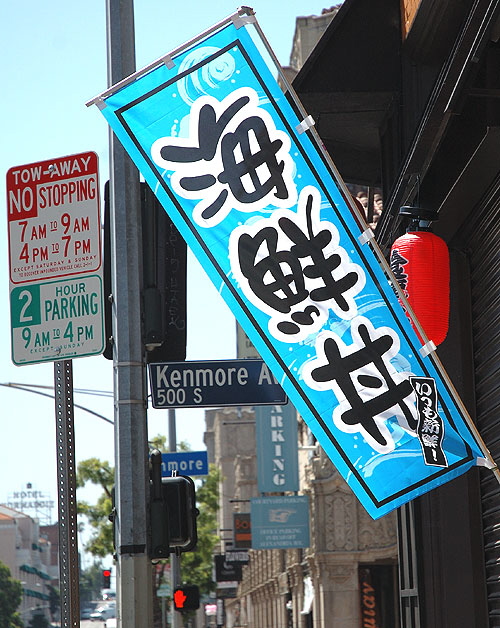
pixel 106 578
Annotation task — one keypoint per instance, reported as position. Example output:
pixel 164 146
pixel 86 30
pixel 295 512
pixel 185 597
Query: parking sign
pixel 55 259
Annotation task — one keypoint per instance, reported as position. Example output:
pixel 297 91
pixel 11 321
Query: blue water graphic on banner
pixel 219 143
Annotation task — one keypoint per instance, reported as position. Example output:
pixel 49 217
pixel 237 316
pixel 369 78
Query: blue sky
pixel 54 60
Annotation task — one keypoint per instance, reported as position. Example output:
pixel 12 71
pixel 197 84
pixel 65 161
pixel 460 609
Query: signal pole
pixel 134 581
pixel 175 560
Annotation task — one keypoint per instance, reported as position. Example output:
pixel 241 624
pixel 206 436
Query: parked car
pixel 87 609
pixel 108 594
pixel 104 612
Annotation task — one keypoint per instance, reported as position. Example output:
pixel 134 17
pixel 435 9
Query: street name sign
pixel 192 463
pixel 56 287
pixel 213 384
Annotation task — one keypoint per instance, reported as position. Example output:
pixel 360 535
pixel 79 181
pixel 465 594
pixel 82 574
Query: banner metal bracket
pixel 488 464
pixel 244 16
pixel 305 125
pixel 168 61
pixel 366 236
pixel 426 349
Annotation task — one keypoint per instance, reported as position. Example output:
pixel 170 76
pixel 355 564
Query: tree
pixel 198 563
pixel 11 592
pixel 54 600
pixel 91 582
pixel 196 566
pixel 102 474
pixel 39 620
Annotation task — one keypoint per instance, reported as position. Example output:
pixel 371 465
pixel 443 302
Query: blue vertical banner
pixel 234 161
pixel 276 434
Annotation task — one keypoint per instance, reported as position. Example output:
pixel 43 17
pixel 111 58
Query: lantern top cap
pixel 419 213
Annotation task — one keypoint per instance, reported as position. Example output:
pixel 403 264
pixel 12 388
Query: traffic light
pixel 173 512
pixel 106 579
pixel 187 598
pixel 180 496
pixel 164 281
pixel 158 511
pixel 164 263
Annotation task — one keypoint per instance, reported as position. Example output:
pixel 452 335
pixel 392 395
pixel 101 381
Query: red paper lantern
pixel 421 264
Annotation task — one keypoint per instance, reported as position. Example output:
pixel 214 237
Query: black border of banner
pixel 292 132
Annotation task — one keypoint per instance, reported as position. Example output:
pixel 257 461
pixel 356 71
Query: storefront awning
pixel 349 99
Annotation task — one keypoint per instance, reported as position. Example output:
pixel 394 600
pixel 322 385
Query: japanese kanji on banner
pixel 245 180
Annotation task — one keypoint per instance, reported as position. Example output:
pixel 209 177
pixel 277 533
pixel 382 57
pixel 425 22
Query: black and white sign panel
pixel 212 384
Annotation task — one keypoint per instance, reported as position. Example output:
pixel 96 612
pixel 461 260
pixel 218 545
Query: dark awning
pixel 349 83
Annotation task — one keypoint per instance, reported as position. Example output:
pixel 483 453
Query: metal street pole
pixel 66 481
pixel 134 581
pixel 175 564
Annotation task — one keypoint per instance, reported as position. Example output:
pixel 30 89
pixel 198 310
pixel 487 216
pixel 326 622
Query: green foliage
pixel 54 600
pixel 91 582
pixel 196 567
pixel 98 472
pixel 102 474
pixel 39 621
pixel 11 592
pixel 158 442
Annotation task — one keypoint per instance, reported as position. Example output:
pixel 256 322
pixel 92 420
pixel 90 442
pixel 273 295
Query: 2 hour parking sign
pixel 55 259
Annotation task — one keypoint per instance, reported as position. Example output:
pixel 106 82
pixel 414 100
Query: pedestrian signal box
pixel 187 598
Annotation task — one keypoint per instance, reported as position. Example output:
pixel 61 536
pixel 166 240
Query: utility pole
pixel 134 581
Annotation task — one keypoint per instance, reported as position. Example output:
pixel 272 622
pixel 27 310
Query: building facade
pixel 349 554
pixel 411 105
pixel 27 553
